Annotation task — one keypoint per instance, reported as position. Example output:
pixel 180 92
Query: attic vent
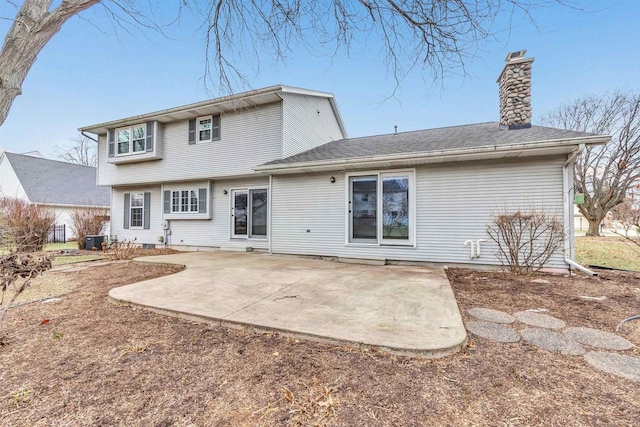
pixel 515 55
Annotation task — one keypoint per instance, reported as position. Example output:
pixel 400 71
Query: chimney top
pixel 515 55
pixel 515 91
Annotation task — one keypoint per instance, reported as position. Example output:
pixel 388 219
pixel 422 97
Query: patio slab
pixel 404 309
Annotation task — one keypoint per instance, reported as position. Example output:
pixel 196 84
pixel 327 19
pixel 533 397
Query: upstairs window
pixel 131 139
pixel 135 139
pixel 204 129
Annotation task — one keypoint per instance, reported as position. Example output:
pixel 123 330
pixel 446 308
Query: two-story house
pixel 273 169
pixel 184 176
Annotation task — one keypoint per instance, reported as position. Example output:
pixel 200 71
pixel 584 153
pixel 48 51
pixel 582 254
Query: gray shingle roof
pixel 428 140
pixel 52 181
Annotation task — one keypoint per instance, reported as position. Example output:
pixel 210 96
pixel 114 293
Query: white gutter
pixel 220 103
pixel 420 156
pixel 566 212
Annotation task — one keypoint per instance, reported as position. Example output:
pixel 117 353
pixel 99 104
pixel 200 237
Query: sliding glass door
pixel 249 213
pixel 239 207
pixel 381 208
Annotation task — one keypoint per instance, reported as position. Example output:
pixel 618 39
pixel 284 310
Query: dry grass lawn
pixel 614 252
pixel 95 363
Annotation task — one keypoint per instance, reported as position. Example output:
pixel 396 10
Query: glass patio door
pixel 239 208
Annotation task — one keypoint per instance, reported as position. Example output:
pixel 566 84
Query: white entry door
pixel 239 209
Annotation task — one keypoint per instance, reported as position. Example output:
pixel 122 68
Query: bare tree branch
pixel 83 151
pixel 604 173
pixel 435 37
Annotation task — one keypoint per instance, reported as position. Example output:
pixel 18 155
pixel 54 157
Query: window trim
pixel 189 203
pixel 248 190
pixel 211 138
pixel 131 139
pixel 380 241
pixel 131 208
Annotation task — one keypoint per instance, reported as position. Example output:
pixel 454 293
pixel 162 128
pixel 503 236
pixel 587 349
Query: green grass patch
pixel 611 252
pixel 61 246
pixel 63 260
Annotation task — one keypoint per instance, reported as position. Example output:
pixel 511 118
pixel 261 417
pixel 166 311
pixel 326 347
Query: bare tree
pixel 433 36
pixel 83 151
pixel 604 173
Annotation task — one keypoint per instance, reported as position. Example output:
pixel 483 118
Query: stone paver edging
pixel 492 331
pixel 491 315
pixel 616 364
pixel 539 320
pixel 567 343
pixel 598 338
pixel 552 341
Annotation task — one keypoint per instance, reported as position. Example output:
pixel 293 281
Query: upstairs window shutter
pixel 147 211
pixel 150 136
pixel 192 131
pixel 202 200
pixel 215 128
pixel 111 141
pixel 127 205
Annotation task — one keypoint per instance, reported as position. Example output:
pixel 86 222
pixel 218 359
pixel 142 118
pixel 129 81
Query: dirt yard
pixel 95 363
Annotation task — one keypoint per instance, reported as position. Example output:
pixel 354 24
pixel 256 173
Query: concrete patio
pixel 404 309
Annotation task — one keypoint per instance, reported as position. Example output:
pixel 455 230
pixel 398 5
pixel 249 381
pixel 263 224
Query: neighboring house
pixel 273 169
pixel 58 185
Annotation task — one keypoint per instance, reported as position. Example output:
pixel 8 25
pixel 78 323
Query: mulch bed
pixel 96 363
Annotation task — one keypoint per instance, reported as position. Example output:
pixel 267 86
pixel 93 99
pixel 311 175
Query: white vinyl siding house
pixel 274 170
pixel 453 204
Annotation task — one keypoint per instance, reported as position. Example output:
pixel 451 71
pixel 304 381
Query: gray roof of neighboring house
pixel 429 140
pixel 55 182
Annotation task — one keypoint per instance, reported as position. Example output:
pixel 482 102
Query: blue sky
pixel 84 76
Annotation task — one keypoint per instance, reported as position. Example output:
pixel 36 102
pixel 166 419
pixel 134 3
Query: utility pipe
pixel 472 253
pixel 478 246
pixel 566 211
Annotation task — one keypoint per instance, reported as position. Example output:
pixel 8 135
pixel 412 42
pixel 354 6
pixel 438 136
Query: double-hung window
pixel 184 201
pixel 136 210
pixel 208 128
pixel 131 139
pixel 381 208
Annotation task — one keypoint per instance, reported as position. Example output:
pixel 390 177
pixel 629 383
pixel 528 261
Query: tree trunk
pixel 31 30
pixel 594 227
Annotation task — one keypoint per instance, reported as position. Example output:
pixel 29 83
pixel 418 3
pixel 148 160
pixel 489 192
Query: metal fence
pixel 57 234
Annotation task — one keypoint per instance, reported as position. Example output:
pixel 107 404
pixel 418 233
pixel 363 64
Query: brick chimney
pixel 515 91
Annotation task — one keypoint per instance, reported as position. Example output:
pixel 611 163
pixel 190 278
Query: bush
pixel 27 226
pixel 88 221
pixel 525 241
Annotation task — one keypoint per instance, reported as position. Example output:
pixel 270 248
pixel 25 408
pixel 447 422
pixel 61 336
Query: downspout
pixel 270 201
pixel 566 210
pixel 88 137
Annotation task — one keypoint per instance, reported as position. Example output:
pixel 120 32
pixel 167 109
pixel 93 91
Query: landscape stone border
pixel 616 364
pixel 491 315
pixel 492 328
pixel 598 338
pixel 539 320
pixel 552 341
pixel 492 331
